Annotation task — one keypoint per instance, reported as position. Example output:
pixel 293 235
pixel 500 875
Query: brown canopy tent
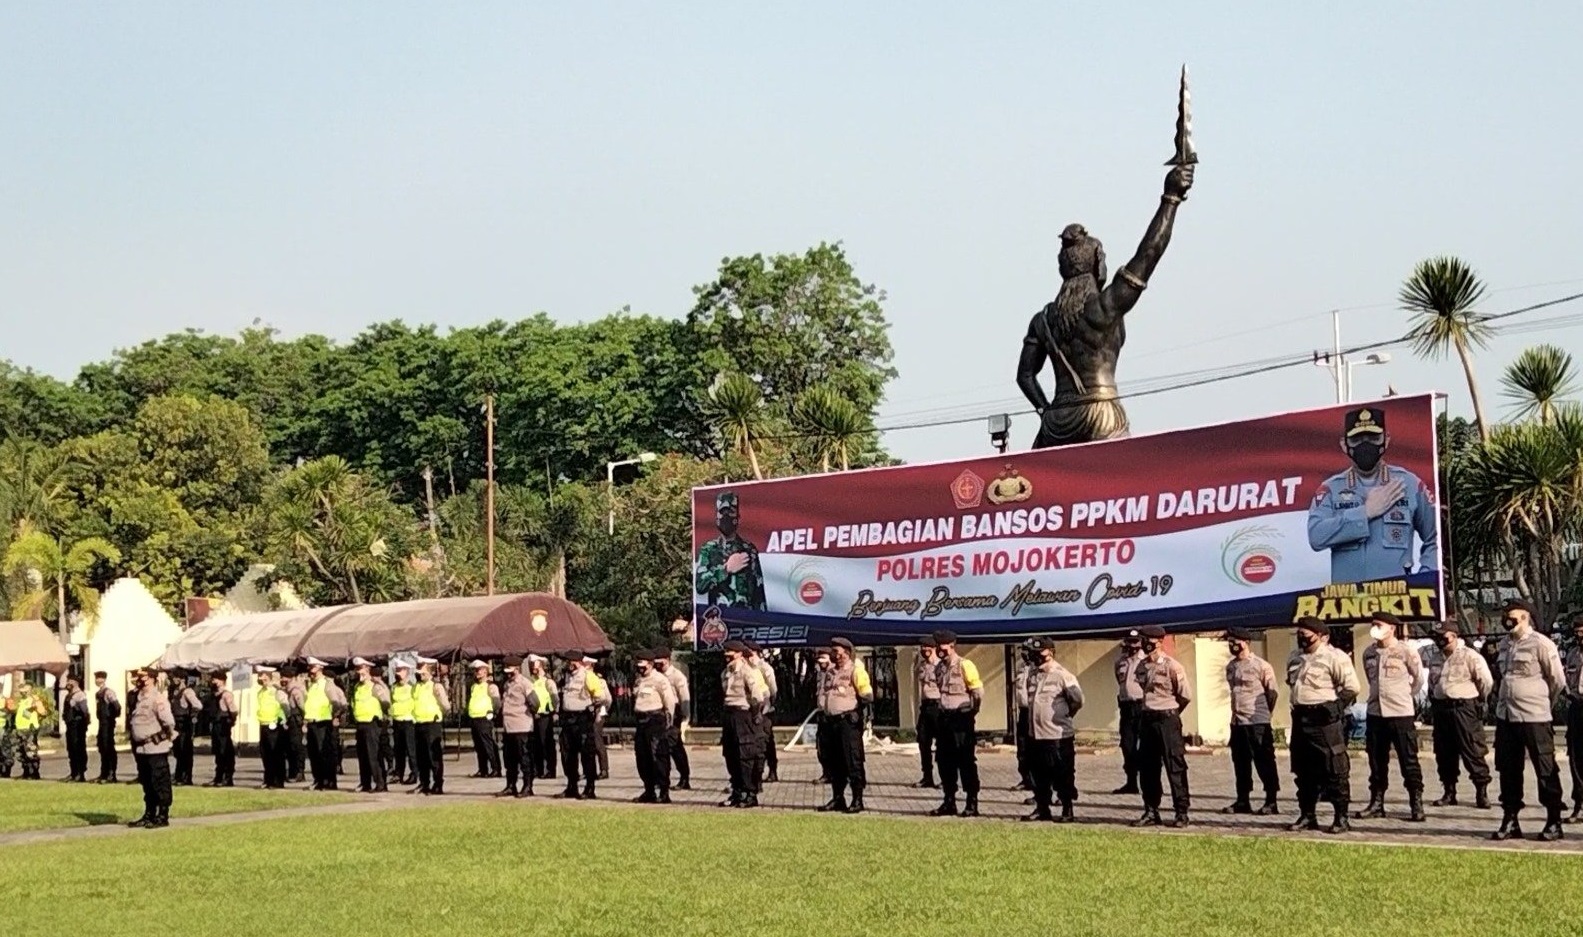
pixel 30 645
pixel 224 641
pixel 481 626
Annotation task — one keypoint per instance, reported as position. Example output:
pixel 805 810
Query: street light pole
pixel 610 483
pixel 489 495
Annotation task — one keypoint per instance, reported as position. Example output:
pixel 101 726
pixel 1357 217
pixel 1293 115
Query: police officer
pixel 676 751
pixel 1366 515
pixel 601 712
pixel 269 708
pixel 961 696
pixel 370 701
pixel 1324 683
pixel 1021 676
pixel 744 693
pixel 151 728
pixel 1251 681
pixel 404 738
pixel 293 685
pixel 756 658
pixel 185 706
pixel 582 692
pixel 653 705
pixel 1574 691
pixel 221 721
pixel 322 703
pixel 517 704
pixel 1054 697
pixel 430 703
pixel 106 712
pixel 1160 743
pixel 844 695
pixel 1459 683
pixel 7 736
pixel 1532 678
pixel 1394 672
pixel 928 709
pixel 824 659
pixel 727 572
pixel 27 716
pixel 75 715
pixel 1129 703
pixel 548 697
pixel 483 701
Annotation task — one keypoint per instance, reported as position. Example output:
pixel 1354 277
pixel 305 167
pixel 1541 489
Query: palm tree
pixel 833 423
pixel 1541 377
pixel 56 574
pixel 1440 296
pixel 553 524
pixel 339 527
pixel 736 410
pixel 35 482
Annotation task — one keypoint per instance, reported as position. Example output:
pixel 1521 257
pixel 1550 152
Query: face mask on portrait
pixel 1150 645
pixel 1306 641
pixel 1378 632
pixel 1366 455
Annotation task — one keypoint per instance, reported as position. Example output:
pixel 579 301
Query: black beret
pixel 1152 631
pixel 822 652
pixel 662 653
pixel 1241 634
pixel 841 642
pixel 1577 620
pixel 751 645
pixel 1449 626
pixel 943 637
pixel 1387 618
pixel 928 641
pixel 1131 637
pixel 1044 644
pixel 575 654
pixel 1311 624
pixel 735 646
pixel 101 674
pixel 1522 605
pixel 643 656
pixel 511 662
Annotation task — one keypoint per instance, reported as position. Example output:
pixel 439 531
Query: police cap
pixel 1131 637
pixel 1240 634
pixel 1312 625
pixel 842 643
pixel 573 654
pixel 944 637
pixel 1449 626
pixel 726 501
pixel 1364 420
pixel 1043 644
pixel 1152 631
pixel 101 675
pixel 514 662
pixel 823 652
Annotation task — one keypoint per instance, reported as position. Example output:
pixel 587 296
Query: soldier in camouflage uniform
pixel 728 573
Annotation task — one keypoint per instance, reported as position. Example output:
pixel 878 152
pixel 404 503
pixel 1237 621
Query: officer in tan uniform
pixel 1324 683
pixel 518 702
pixel 676 751
pixel 928 709
pixel 151 727
pixel 844 694
pixel 653 704
pixel 1532 677
pixel 744 693
pixel 1129 702
pixel 1251 681
pixel 1394 672
pixel 1160 744
pixel 221 742
pixel 582 693
pixel 1459 683
pixel 1054 697
pixel 767 671
pixel 961 696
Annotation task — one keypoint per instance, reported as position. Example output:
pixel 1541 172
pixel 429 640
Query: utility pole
pixel 436 553
pixel 489 495
pixel 1334 360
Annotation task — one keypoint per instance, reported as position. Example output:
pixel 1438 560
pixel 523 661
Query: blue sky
pixel 322 167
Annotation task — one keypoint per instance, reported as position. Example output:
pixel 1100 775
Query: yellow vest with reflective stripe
pixel 401 702
pixel 316 705
pixel 479 705
pixel 541 686
pixel 268 708
pixel 425 708
pixel 26 716
pixel 365 707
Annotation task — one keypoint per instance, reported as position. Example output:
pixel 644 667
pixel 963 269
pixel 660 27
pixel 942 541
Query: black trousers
pixel 676 752
pixel 387 749
pixel 370 767
pixel 296 748
pixel 1383 735
pixel 405 744
pixel 577 749
pixel 742 744
pixel 519 760
pixel 153 773
pixel 1128 724
pixel 272 752
pixel 108 758
pixel 1320 763
pixel 224 749
pixel 484 748
pixel 77 748
pixel 601 756
pixel 1459 737
pixel 841 740
pixel 1574 749
pixel 430 756
pixel 958 748
pixel 544 744
pixel 771 750
pixel 1160 745
pixel 323 759
pixel 181 749
pixel 652 745
pixel 1022 738
pixel 1520 742
pixel 1053 763
pixel 928 728
pixel 1253 748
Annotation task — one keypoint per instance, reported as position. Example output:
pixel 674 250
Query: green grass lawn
pixel 49 805
pixel 471 869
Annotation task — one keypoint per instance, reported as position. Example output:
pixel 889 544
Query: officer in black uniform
pixel 107 711
pixel 185 706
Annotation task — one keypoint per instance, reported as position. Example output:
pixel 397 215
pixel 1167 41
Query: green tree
pixel 736 410
pixel 1539 380
pixel 58 576
pixel 835 429
pixel 35 484
pixel 38 408
pixel 1440 298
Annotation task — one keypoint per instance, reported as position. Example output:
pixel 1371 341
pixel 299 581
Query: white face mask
pixel 1378 632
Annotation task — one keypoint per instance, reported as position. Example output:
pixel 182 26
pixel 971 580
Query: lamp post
pixel 1378 357
pixel 999 431
pixel 610 481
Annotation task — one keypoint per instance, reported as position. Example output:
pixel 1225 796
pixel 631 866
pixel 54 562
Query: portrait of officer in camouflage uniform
pixel 727 572
pixel 1366 516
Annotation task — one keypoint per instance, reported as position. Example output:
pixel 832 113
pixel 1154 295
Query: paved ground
pixel 890 793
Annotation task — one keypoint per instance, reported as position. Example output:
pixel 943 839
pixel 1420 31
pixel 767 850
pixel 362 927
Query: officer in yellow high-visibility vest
pixel 402 726
pixel 430 703
pixel 370 699
pixel 483 703
pixel 546 699
pixel 29 716
pixel 269 707
pixel 322 703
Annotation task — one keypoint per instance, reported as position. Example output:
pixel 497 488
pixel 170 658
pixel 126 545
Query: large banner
pixel 1330 512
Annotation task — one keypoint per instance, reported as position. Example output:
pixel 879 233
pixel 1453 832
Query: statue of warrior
pixel 1083 330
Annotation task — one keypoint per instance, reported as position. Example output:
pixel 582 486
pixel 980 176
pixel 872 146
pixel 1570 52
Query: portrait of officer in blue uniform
pixel 1366 516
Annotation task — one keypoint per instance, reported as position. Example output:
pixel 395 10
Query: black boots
pixel 970 809
pixel 857 801
pixel 153 818
pixel 1509 829
pixel 1577 813
pixel 1066 813
pixel 836 803
pixel 1181 819
pixel 1415 806
pixel 947 807
pixel 1340 824
pixel 1151 817
pixel 1305 822
pixel 161 817
pixel 1270 809
pixel 927 782
pixel 1239 806
pixel 1131 787
pixel 1481 796
pixel 1039 815
pixel 1374 811
pixel 1448 799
